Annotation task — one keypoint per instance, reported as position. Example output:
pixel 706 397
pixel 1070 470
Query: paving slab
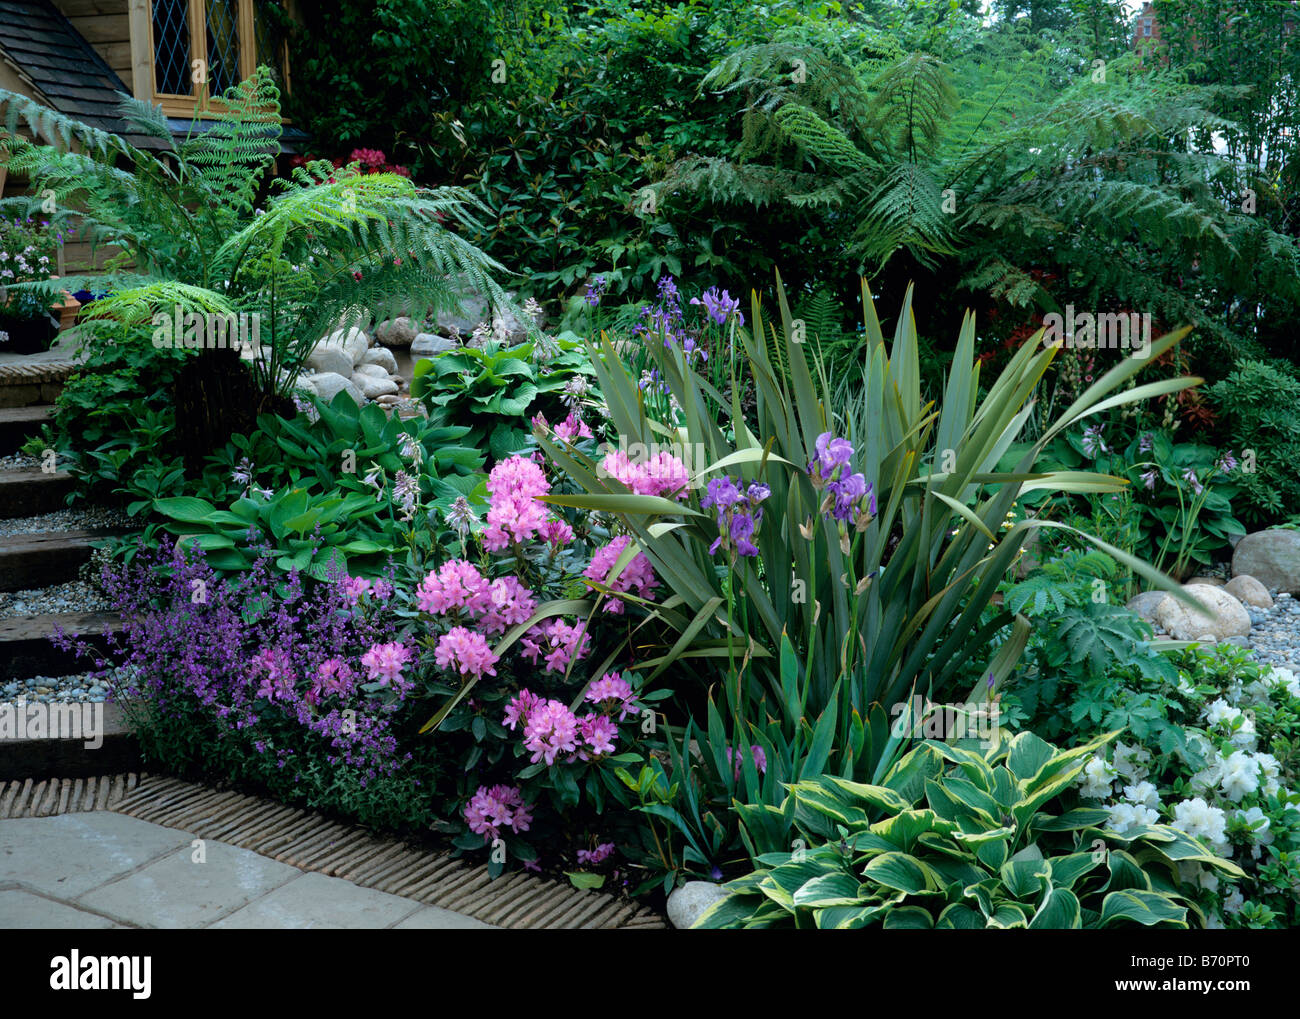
pixel 27 910
pixel 67 855
pixel 316 901
pixel 177 892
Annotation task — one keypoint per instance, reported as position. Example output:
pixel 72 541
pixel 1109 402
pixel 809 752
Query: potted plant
pixel 28 251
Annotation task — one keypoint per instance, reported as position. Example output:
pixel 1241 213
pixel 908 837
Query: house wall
pixel 106 25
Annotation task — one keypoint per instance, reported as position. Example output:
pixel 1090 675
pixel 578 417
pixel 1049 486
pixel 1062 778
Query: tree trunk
pixel 216 396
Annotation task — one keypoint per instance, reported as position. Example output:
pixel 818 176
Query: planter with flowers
pixel 28 253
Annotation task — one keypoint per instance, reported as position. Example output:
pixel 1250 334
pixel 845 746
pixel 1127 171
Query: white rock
pixel 326 357
pixel 1208 581
pixel 1228 616
pixel 395 332
pixel 381 356
pixel 378 371
pixel 1249 591
pixel 354 341
pixel 371 386
pixel 688 903
pixel 329 384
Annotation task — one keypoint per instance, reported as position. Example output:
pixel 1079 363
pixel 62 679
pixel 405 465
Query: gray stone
pixel 1146 603
pixel 395 332
pixel 22 910
pixel 433 918
pixel 353 341
pixel 688 903
pixel 314 901
pixel 1272 557
pixel 177 892
pixel 473 310
pixel 1209 581
pixel 381 356
pixel 371 387
pixel 326 357
pixel 68 855
pixel 428 344
pixel 328 385
pixel 1227 615
pixel 377 370
pixel 1249 591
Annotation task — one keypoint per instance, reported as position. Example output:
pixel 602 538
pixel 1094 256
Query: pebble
pixel 73 596
pixel 57 689
pixel 76 518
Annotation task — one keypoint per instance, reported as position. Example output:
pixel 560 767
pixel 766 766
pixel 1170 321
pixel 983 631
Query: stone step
pixel 26 649
pixel 30 491
pixel 18 424
pixel 42 560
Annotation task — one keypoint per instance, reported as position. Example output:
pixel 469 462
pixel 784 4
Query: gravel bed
pixel 76 518
pixel 15 461
pixel 56 689
pixel 1275 632
pixel 74 596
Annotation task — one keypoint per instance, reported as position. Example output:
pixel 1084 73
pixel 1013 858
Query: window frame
pixel 246 27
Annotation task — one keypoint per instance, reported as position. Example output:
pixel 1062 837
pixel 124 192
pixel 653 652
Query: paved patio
pixel 106 870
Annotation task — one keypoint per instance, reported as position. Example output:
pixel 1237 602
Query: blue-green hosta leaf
pixel 903 830
pixel 840 889
pixel 782 882
pixel 815 796
pixel 959 918
pixel 879 796
pixel 1178 846
pixel 1146 908
pixel 186 508
pixel 1059 910
pixel 1026 878
pixel 901 872
pixel 1074 820
pixel 1066 870
pixel 844 918
pixel 1010 915
pixel 1027 755
pixel 908 918
pixel 728 913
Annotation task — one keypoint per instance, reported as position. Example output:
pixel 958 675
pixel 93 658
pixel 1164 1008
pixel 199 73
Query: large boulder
pixel 381 356
pixel 1146 603
pixel 372 386
pixel 428 344
pixel 376 370
pixel 329 384
pixel 1249 591
pixel 396 332
pixel 326 357
pixel 1272 557
pixel 688 903
pixel 354 342
pixel 1227 618
pixel 473 310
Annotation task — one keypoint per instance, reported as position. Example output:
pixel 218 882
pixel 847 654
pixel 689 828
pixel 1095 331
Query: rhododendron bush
pixel 536 699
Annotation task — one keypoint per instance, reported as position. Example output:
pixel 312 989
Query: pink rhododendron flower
pixel 492 808
pixel 518 707
pixel 556 532
pixel 637 577
pixel 598 733
pixel 334 678
pixel 467 652
pixel 551 729
pixel 556 641
pixel 571 429
pixel 662 474
pixel 355 587
pixel 597 855
pixel 509 603
pixel 614 691
pixel 384 663
pixel 514 514
pixel 278 682
pixel 455 585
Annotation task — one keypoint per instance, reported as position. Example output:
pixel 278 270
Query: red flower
pixel 356 275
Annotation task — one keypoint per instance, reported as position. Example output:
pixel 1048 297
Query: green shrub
pixel 1259 410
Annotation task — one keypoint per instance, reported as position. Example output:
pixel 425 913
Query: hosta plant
pixel 956 838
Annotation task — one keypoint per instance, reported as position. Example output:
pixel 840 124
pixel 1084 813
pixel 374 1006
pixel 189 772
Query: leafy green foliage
pixel 1259 407
pixel 954 838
